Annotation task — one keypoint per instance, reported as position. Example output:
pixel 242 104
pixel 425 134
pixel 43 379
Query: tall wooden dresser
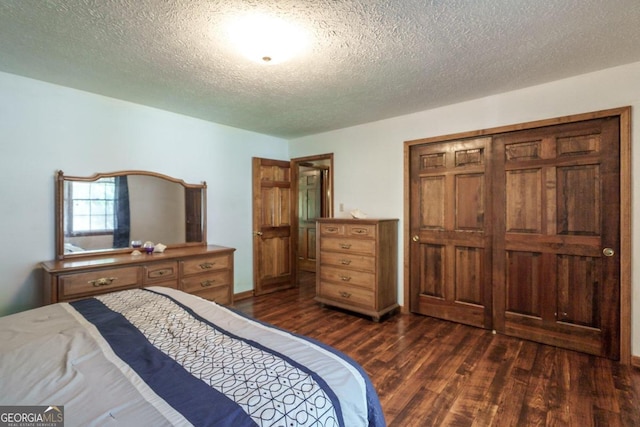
pixel 206 271
pixel 357 263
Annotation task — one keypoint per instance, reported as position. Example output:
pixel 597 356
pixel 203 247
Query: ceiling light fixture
pixel 267 39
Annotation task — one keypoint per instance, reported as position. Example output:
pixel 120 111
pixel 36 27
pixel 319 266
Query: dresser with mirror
pixel 132 229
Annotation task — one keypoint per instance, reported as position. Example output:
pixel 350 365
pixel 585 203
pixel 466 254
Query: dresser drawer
pixel 363 246
pixel 359 262
pixel 98 282
pixel 348 277
pixel 201 265
pixel 347 294
pixel 332 229
pixel 208 280
pixel 160 272
pixel 348 230
pixel 364 230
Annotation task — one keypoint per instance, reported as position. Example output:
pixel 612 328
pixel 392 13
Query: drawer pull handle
pixel 345 294
pixel 345 261
pixel 207 283
pixel 360 231
pixel 103 281
pixel 345 278
pixel 332 229
pixel 345 245
pixel 163 272
pixel 207 265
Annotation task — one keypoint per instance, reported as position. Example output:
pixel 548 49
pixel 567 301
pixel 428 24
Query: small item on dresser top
pixel 148 247
pixel 358 214
pixel 136 252
pixel 159 248
pixel 136 244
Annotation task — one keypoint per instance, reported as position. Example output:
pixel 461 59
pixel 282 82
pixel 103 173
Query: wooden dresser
pixel 357 262
pixel 206 271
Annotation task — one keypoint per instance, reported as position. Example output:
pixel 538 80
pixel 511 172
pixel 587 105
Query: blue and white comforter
pixel 163 357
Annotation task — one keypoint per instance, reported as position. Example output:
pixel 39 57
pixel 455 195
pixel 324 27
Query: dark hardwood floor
pixel 430 372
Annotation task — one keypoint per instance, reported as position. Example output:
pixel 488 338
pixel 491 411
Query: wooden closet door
pixel 450 228
pixel 557 235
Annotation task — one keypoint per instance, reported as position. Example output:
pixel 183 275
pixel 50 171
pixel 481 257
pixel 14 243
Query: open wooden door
pixel 273 255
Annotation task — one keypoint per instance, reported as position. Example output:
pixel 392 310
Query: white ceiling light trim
pixel 267 39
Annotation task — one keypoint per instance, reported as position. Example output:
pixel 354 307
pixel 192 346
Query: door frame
pixel 295 169
pixel 624 114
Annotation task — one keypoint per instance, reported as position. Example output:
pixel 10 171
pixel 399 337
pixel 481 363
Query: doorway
pixel 276 212
pixel 313 193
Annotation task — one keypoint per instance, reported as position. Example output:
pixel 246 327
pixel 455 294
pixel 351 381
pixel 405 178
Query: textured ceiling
pixel 367 59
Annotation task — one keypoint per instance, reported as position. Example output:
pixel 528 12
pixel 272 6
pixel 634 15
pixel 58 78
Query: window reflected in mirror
pixel 91 207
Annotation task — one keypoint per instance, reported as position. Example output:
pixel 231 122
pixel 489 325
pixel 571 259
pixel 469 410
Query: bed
pixel 158 356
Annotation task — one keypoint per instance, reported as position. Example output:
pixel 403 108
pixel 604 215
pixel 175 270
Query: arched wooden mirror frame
pixel 195 211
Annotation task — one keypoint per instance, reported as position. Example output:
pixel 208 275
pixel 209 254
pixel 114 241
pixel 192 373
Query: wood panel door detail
pixel 309 209
pixel 557 220
pixel 450 252
pixel 520 232
pixel 273 259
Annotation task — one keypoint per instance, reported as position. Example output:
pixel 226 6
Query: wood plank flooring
pixel 430 372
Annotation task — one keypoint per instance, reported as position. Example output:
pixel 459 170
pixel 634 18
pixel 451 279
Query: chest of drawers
pixel 357 264
pixel 206 271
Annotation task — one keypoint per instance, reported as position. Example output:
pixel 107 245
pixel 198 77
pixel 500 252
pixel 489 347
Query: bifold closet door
pixel 450 222
pixel 520 232
pixel 556 265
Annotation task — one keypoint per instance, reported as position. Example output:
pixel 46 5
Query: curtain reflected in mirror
pixel 122 223
pixel 109 211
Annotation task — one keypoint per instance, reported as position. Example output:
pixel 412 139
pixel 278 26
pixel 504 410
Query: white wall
pixel 368 159
pixel 45 128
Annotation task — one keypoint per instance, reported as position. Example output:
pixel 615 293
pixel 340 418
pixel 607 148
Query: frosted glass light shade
pixel 266 39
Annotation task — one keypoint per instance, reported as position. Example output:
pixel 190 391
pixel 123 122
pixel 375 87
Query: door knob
pixel 608 252
pixel 257 233
pixel 416 238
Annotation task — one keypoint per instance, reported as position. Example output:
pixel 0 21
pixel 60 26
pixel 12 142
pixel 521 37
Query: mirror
pixel 106 212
